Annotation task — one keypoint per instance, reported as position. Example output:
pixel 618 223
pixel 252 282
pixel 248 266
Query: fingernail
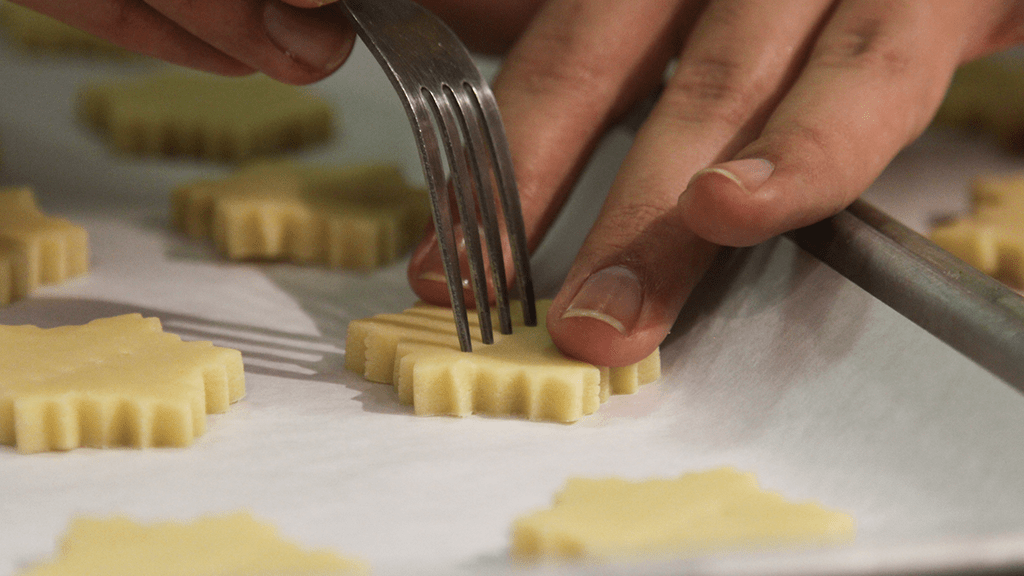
pixel 612 295
pixel 306 36
pixel 749 173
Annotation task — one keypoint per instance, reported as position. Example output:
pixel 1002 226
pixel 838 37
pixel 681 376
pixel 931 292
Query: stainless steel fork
pixel 444 94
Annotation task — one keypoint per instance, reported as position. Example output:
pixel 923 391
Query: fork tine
pixel 433 169
pixel 484 171
pixel 418 53
pixel 508 192
pixel 444 107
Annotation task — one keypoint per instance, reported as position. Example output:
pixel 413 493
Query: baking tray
pixel 779 365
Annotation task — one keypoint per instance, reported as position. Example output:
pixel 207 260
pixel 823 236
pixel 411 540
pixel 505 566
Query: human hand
pixel 778 114
pixel 295 41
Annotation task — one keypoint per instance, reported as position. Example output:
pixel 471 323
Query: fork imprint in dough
pixel 522 373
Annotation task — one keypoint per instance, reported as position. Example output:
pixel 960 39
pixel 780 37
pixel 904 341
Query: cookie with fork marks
pixel 522 373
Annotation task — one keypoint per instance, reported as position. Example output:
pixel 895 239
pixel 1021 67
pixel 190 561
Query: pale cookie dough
pixel 992 238
pixel 201 115
pixel 39 33
pixel 36 249
pixel 229 545
pixel 716 511
pixel 358 217
pixel 520 374
pixel 117 381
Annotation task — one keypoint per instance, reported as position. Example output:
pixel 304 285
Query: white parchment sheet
pixel 778 366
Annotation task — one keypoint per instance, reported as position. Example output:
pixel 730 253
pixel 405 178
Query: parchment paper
pixel 777 366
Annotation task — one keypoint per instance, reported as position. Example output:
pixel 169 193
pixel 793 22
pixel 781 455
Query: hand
pixel 293 41
pixel 778 114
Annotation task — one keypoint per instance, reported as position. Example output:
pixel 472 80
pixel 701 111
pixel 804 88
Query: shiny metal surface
pixel 445 95
pixel 973 313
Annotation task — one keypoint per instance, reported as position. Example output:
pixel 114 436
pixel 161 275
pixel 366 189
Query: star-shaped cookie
pixel 36 249
pixel 209 546
pixel 520 374
pixel 119 381
pixel 206 116
pixel 715 511
pixel 992 238
pixel 357 217
pixel 39 33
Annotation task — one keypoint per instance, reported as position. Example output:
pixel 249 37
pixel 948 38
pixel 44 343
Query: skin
pixel 778 114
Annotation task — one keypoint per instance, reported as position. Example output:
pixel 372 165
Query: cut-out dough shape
pixel 520 374
pixel 992 238
pixel 228 545
pixel 39 33
pixel 36 249
pixel 359 217
pixel 206 116
pixel 716 511
pixel 987 95
pixel 118 381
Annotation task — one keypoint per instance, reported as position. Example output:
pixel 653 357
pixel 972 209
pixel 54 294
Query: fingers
pixel 578 65
pixel 641 260
pixel 232 37
pixel 488 26
pixel 874 79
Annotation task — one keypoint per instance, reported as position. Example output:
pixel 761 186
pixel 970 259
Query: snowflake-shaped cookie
pixel 36 249
pixel 358 217
pixel 210 546
pixel 520 374
pixel 698 513
pixel 39 33
pixel 992 238
pixel 202 115
pixel 117 381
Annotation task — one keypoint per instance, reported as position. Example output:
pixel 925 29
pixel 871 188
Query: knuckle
pixel 808 144
pixel 870 43
pixel 713 89
pixel 623 225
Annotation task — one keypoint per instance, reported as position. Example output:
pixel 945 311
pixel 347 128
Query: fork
pixel 444 94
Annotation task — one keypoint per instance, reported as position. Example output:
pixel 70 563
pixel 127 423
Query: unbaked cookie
pixel 201 115
pixel 520 374
pixel 358 217
pixel 228 545
pixel 992 238
pixel 720 510
pixel 36 249
pixel 117 381
pixel 39 33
